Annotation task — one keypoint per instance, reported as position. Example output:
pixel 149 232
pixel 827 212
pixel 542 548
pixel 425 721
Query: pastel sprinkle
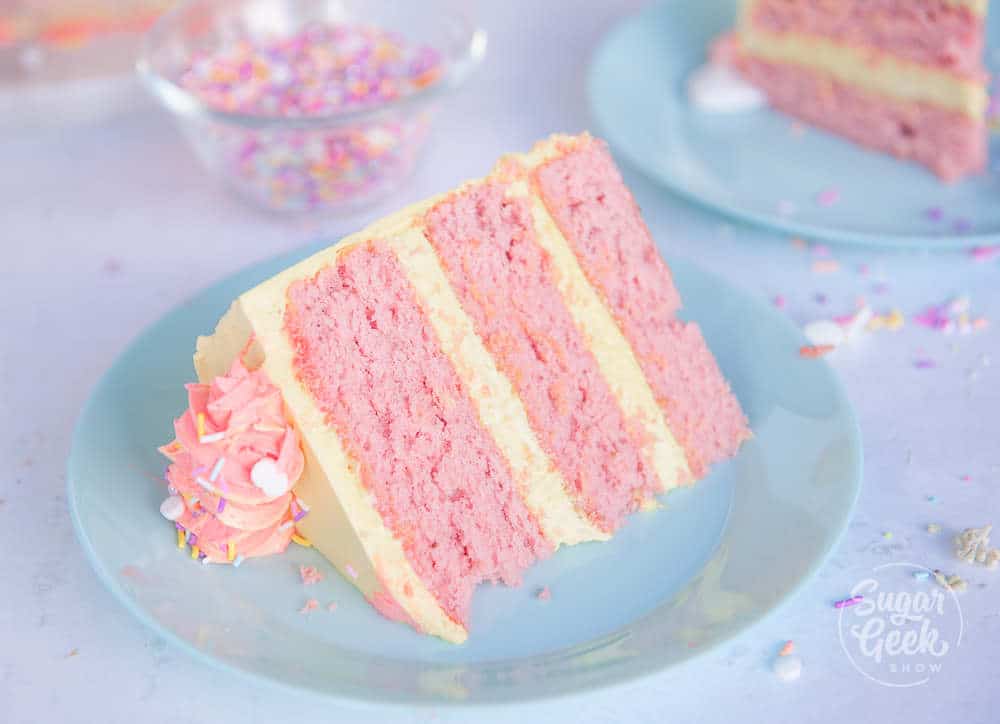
pixel 181 538
pixel 237 561
pixel 847 602
pixel 931 498
pixel 935 213
pixel 222 505
pixel 925 364
pixel 814 352
pixel 214 437
pixel 192 538
pixel 828 197
pixel 961 226
pixel 300 515
pixel 230 551
pixel 217 469
pixel 887 535
pixel 286 525
pixel 205 484
pixel 332 606
pixel 201 424
pixel 787 649
pixel 350 571
pixel 311 605
pixel 301 540
pixel 302 505
pixel 195 551
pixel 544 594
pixel 825 266
pixel 779 301
pixel 921 575
pixel 984 253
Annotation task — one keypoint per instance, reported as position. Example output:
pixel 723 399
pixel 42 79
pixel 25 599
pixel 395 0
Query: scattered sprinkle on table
pixel 310 575
pixel 931 498
pixel 72 653
pixel 887 534
pixel 543 594
pixel 332 606
pixel 921 575
pixel 814 352
pixel 310 605
pixel 924 364
pixel 787 648
pixel 984 253
pixel 935 213
pixel 847 602
pixel 825 266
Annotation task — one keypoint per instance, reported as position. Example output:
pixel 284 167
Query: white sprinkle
pixel 301 504
pixel 286 525
pixel 172 508
pixel 214 437
pixel 237 561
pixel 350 571
pixel 858 324
pixel 205 484
pixel 217 469
pixel 718 89
pixel 824 332
pixel 787 668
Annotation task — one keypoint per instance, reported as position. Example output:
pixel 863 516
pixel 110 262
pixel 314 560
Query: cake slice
pixel 481 378
pixel 901 76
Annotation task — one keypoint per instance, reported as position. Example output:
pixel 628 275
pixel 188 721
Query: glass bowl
pixel 337 157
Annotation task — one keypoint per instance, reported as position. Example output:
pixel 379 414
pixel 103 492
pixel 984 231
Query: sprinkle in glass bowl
pixel 304 105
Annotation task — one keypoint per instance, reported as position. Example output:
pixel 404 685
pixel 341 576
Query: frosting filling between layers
pixel 950 143
pixel 585 194
pixel 870 70
pixel 931 32
pixel 438 480
pixel 486 244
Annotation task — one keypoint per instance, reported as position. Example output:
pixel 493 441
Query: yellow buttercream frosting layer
pixel 870 70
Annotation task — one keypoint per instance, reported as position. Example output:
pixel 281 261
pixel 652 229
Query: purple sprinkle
pixel 924 364
pixel 962 226
pixel 828 197
pixel 178 526
pixel 192 539
pixel 222 505
pixel 300 515
pixel 852 601
pixel 935 213
pixel 820 298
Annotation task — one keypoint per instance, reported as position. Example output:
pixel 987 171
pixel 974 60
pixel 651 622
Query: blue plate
pixel 751 165
pixel 671 585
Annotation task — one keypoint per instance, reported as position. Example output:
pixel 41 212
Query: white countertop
pixel 107 226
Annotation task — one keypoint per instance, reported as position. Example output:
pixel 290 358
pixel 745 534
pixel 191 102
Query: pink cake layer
pixel 487 246
pixel 368 355
pixel 599 218
pixel 932 32
pixel 949 143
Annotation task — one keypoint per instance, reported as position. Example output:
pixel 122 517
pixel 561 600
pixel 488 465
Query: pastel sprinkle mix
pixel 205 484
pixel 237 561
pixel 887 535
pixel 214 437
pixel 192 538
pixel 544 594
pixel 195 551
pixel 230 551
pixel 779 301
pixel 350 571
pixel 201 424
pixel 846 602
pixel 311 605
pixel 814 352
pixel 181 538
pixel 931 498
pixel 984 253
pixel 925 364
pixel 300 515
pixel 222 505
pixel 921 575
pixel 787 649
pixel 301 540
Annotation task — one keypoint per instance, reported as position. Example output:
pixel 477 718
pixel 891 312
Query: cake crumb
pixel 544 594
pixel 952 583
pixel 310 575
pixel 311 605
pixel 972 545
pixel 933 528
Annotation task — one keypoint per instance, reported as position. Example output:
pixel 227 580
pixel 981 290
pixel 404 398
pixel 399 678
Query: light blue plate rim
pixel 616 679
pixel 622 145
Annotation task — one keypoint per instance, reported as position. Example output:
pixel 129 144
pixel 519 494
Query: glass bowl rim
pixel 188 105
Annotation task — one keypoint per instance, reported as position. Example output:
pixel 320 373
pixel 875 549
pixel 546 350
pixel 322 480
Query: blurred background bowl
pixel 337 158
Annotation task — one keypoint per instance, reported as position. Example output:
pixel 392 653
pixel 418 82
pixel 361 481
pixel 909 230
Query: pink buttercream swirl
pixel 233 464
